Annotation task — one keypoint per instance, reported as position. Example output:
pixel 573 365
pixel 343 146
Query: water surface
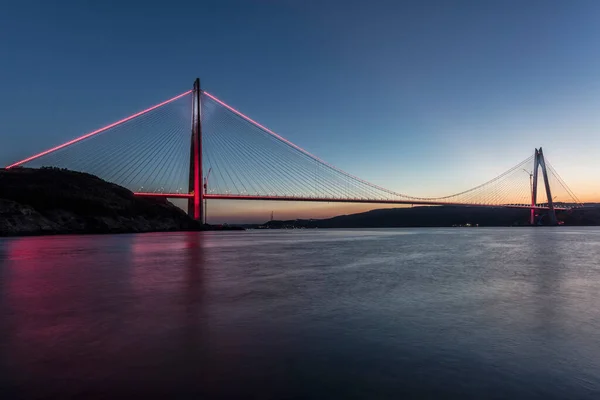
pixel 464 313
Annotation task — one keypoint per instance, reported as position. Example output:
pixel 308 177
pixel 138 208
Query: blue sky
pixel 423 97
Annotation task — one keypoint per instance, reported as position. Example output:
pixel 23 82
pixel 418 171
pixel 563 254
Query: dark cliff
pixel 53 201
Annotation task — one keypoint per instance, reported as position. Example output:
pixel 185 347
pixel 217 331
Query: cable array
pixel 562 195
pixel 247 159
pixel 149 152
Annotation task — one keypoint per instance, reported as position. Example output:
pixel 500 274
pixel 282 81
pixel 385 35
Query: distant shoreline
pixel 440 217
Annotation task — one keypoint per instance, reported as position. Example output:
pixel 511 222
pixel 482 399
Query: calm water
pixel 464 313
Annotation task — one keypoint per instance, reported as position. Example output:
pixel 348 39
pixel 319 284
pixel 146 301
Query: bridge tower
pixel 195 186
pixel 538 161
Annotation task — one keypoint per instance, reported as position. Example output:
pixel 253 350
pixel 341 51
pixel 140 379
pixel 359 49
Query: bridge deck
pixel 338 200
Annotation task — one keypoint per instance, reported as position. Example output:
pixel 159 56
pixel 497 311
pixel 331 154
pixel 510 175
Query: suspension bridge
pixel 195 146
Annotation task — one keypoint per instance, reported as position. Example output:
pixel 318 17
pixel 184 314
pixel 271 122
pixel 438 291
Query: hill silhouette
pixel 441 216
pixel 52 201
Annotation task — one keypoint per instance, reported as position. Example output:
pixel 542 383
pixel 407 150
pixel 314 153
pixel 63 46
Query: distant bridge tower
pixel 195 186
pixel 538 161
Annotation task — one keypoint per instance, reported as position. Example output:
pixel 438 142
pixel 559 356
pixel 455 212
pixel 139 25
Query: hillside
pixel 440 217
pixel 53 201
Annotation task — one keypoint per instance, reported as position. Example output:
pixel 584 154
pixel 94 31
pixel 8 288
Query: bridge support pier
pixel 539 161
pixel 195 183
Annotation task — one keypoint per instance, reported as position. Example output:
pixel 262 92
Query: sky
pixel 422 97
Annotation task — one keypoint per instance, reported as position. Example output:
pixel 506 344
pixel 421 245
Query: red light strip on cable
pixel 264 128
pixel 79 139
pixel 165 195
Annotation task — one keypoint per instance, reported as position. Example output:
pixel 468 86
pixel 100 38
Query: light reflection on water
pixel 469 313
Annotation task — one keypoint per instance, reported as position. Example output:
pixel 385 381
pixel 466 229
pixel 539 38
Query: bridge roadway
pixel 339 200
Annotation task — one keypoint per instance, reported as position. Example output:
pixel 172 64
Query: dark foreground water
pixel 412 313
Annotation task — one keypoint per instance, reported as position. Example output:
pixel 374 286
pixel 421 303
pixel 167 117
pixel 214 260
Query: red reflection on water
pixel 54 293
pixel 87 314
